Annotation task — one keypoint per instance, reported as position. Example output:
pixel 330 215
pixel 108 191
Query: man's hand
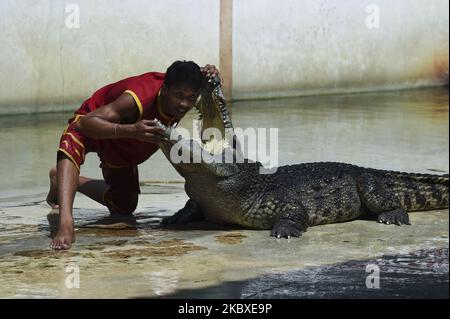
pixel 210 71
pixel 148 131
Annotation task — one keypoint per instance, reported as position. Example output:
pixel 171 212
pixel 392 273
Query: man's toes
pixel 59 244
pixel 54 245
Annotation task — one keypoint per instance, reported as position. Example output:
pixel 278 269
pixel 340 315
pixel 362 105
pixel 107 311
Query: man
pixel 118 123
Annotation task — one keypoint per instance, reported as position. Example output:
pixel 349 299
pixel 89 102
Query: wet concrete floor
pixel 137 257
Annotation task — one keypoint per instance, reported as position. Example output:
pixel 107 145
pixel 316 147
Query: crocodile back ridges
pixel 416 177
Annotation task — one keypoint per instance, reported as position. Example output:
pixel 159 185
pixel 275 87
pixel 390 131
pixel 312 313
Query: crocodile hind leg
pixel 397 216
pixel 291 222
pixel 189 213
pixel 381 203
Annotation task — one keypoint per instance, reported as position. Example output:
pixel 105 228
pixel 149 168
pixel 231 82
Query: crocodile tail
pixel 420 191
pixel 420 178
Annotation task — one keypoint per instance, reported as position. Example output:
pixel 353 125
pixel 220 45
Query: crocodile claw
pixel 286 229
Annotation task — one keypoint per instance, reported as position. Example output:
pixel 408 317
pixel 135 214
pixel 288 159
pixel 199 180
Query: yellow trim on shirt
pixel 75 139
pixel 70 157
pixel 77 117
pixel 138 103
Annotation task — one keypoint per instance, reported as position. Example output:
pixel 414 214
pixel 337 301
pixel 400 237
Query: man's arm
pixel 119 119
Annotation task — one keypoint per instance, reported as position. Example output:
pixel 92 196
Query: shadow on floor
pixel 129 222
pixel 420 274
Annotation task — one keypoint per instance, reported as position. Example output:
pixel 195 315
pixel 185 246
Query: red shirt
pixel 145 91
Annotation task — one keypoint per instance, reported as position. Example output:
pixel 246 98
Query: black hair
pixel 185 72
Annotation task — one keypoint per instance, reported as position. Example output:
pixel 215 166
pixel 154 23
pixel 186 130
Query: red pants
pixel 121 197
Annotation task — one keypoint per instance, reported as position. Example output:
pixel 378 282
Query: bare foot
pixel 52 197
pixel 63 239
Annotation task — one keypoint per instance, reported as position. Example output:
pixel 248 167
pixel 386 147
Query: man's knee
pixel 122 204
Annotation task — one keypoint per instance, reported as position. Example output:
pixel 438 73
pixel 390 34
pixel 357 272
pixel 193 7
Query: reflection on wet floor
pixel 136 256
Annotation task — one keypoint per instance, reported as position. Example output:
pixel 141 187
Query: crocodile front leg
pixel 189 213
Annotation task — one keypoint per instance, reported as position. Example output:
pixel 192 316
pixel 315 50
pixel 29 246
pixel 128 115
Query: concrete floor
pixel 136 257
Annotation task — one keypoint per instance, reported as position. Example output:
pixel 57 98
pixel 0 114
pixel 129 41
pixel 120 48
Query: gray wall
pixel 280 48
pixel 292 47
pixel 47 66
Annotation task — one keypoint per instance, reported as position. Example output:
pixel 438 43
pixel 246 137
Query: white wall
pixel 292 47
pixel 46 66
pixel 281 48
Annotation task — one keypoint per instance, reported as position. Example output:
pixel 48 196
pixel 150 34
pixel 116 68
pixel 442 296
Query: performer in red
pixel 118 123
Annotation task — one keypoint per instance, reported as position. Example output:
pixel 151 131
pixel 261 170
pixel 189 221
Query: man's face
pixel 178 100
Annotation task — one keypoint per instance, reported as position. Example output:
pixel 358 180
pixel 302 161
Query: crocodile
pixel 295 197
